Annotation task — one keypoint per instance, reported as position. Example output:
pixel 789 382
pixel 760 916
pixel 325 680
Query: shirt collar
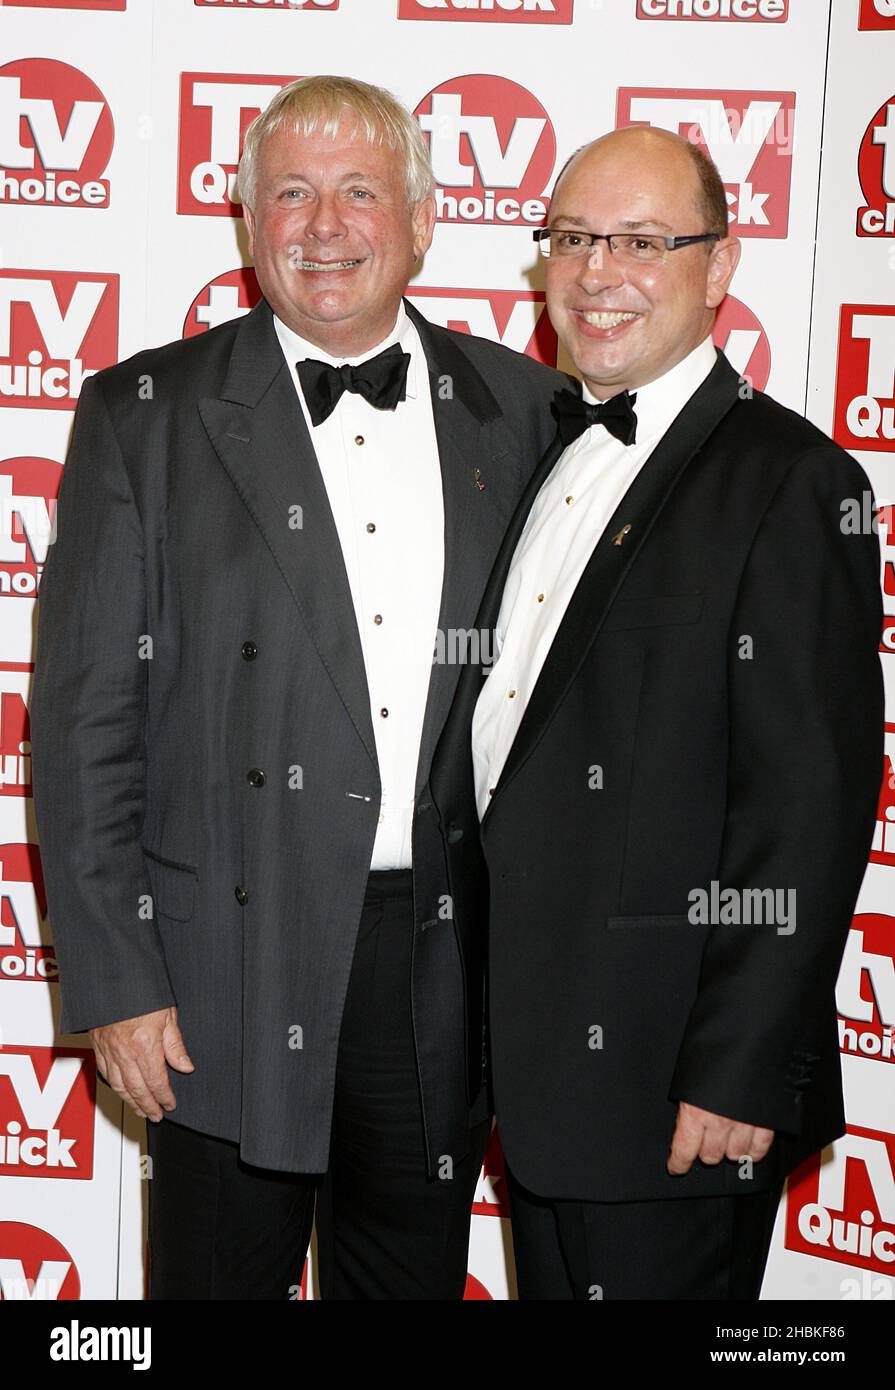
pixel 661 400
pixel 296 348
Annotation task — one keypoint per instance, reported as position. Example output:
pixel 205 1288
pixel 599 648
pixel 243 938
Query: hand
pixel 131 1056
pixel 702 1134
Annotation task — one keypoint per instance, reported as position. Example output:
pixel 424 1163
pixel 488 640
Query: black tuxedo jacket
pixel 711 711
pixel 204 767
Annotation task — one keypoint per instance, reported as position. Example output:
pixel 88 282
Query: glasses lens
pixel 639 248
pixel 567 244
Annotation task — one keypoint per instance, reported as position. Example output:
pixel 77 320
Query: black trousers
pixel 222 1229
pixel 679 1248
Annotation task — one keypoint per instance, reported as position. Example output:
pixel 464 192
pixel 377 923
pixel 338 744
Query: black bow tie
pixel 381 380
pixel 575 415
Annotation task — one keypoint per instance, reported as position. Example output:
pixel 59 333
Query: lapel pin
pixel 477 477
pixel 617 540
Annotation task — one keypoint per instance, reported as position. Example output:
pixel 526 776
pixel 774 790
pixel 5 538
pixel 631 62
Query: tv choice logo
pixel 882 848
pixel 57 327
pixel 865 990
pixel 743 340
pixel 492 148
pixel 864 411
pixel 761 11
pixel 228 296
pixel 216 110
pixel 748 134
pixel 47 1110
pixel 25 955
pixel 516 318
pixel 56 136
pixel 496 11
pixel 35 1266
pixel 877 14
pixel 844 1210
pixel 876 174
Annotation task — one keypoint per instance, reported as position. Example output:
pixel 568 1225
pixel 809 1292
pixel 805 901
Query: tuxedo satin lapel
pixel 472 434
pixel 610 561
pixel 259 433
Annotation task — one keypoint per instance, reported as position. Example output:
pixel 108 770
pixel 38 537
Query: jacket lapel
pixel 258 431
pixel 613 556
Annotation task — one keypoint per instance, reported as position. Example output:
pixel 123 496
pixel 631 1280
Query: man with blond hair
pixel 234 714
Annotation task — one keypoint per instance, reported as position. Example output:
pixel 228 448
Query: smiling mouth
pixel 329 265
pixel 609 318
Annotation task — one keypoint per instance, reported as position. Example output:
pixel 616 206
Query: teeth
pixel 608 320
pixel 328 265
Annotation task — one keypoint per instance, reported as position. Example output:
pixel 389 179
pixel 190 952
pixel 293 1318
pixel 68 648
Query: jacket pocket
pixel 669 920
pixel 173 887
pixel 653 612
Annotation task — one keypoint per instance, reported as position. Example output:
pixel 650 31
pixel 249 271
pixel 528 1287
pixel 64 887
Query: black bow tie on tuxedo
pixel 575 415
pixel 381 380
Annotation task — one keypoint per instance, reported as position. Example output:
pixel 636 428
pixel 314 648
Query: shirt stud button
pixel 371 526
pixel 378 619
pixel 384 713
pixel 358 439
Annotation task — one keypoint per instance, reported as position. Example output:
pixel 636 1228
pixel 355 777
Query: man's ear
pixel 423 217
pixel 249 218
pixel 723 261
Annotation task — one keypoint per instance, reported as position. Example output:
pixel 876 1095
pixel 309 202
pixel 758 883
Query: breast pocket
pixel 173 887
pixel 653 612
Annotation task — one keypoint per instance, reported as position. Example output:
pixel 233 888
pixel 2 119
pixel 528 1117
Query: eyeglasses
pixel 628 246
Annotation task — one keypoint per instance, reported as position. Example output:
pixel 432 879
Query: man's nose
pixel 325 219
pixel 598 269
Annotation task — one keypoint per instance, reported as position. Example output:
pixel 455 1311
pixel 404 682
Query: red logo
pixel 865 991
pixel 498 11
pixel 34 1265
pixel 743 341
pixel 226 297
pixel 23 909
pixel 876 172
pixel 493 150
pixel 748 135
pixel 216 110
pixel 267 4
pixel 864 414
pixel 56 136
pixel 475 1290
pixel 886 532
pixel 65 4
pixel 491 1191
pixel 516 318
pixel 845 1210
pixel 57 327
pixel 47 1107
pixel 882 850
pixel 762 11
pixel 28 491
pixel 877 14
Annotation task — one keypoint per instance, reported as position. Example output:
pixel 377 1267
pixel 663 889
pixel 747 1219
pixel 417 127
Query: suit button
pixel 454 834
pixel 255 777
pixel 242 896
pixel 249 651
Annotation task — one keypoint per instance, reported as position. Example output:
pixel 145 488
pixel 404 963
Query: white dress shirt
pixel 383 479
pixel 566 520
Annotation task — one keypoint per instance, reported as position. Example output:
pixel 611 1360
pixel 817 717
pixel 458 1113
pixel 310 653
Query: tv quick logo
pixel 56 136
pixel 491 1190
pixel 29 488
pixel 25 954
pixel 845 1210
pixel 216 110
pixel 749 136
pixel 47 1112
pixel 492 148
pixel 57 327
pixel 864 412
pixel 865 991
pixel 496 11
pixel 266 4
pixel 228 296
pixel 744 342
pixel 516 318
pixel 876 174
pixel 877 14
pixel 35 1266
pixel 761 11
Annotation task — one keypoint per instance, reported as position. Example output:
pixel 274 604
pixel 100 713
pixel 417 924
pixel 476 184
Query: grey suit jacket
pixel 204 768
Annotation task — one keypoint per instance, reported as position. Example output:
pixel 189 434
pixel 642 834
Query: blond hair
pixel 319 103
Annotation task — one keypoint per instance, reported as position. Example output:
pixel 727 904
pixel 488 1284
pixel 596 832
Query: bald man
pixel 669 778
